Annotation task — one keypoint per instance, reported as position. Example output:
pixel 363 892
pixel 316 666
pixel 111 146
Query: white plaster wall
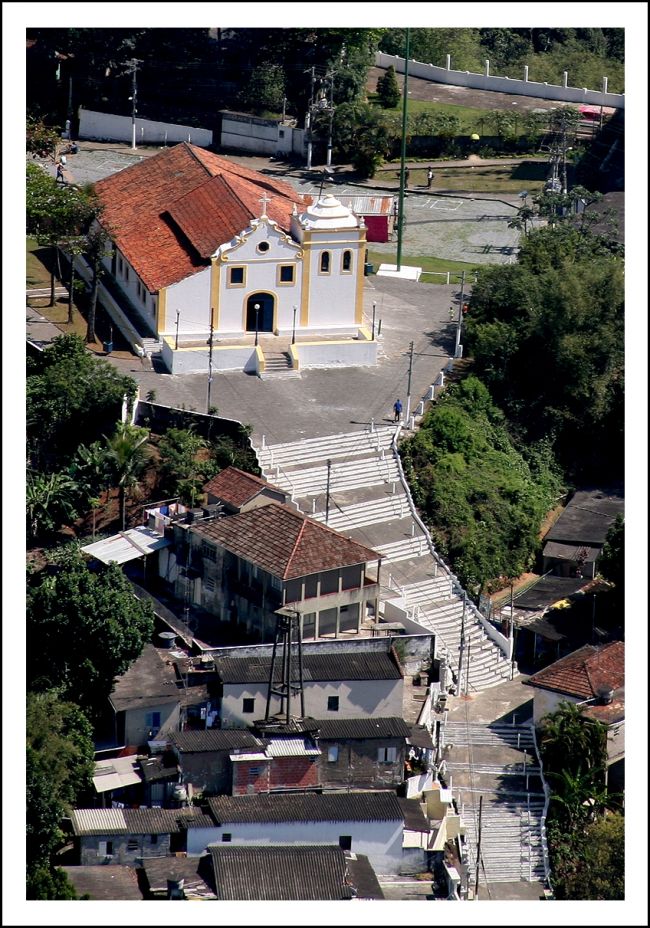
pixel 332 297
pixel 195 360
pixel 336 354
pixel 192 297
pixel 546 91
pixel 94 125
pixel 380 841
pixel 616 742
pixel 357 699
pixel 546 702
pixel 261 276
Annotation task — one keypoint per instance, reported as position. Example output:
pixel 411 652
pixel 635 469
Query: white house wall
pixel 192 298
pixel 357 699
pixel 381 842
pixel 545 702
pixel 332 297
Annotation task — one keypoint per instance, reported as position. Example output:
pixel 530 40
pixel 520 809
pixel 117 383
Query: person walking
pixel 397 409
pixel 59 174
pixel 429 178
pixel 406 177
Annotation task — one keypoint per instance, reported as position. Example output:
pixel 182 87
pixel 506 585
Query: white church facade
pixel 205 248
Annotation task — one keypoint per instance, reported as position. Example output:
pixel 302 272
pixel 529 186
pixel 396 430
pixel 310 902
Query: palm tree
pixel 97 248
pixel 91 468
pixel 581 795
pixel 127 459
pixel 525 215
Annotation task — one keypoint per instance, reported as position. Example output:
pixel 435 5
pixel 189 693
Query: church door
pixel 261 318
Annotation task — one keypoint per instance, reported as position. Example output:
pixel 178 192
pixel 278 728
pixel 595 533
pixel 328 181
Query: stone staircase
pixel 277 364
pixel 511 840
pixel 152 346
pixel 360 464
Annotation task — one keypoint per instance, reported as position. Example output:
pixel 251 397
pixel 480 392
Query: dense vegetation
pixel 585 826
pixel 484 500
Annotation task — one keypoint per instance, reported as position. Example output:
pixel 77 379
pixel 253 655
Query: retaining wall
pixel 100 126
pixel 526 88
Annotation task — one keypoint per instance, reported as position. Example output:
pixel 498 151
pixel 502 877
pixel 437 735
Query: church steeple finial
pixel 264 200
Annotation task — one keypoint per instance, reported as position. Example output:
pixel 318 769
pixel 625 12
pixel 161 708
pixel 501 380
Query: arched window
pixel 347 261
pixel 325 262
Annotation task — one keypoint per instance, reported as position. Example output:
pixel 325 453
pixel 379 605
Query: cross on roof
pixel 264 200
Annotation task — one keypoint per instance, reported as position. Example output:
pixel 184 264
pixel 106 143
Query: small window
pixel 287 273
pixel 347 262
pixel 132 844
pixel 281 133
pixel 105 848
pixel 236 276
pixel 325 262
pixel 153 839
pixel 276 583
pixel 152 720
pixel 248 706
pixel 332 754
pixel 263 247
pixel 120 265
pixel 226 837
pixel 253 772
pixel 126 274
pixel 209 552
pixel 332 703
pixel 345 842
pixel 208 584
pixel 386 755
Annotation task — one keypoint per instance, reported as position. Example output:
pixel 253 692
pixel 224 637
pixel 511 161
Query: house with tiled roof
pixel 246 566
pixel 202 243
pixel 367 823
pixel 339 685
pixel 239 491
pixel 594 679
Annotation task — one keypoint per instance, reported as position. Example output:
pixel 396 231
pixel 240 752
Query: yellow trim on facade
pixel 306 280
pixel 358 310
pixel 261 360
pixel 229 284
pixel 161 311
pixel 295 360
pixel 285 283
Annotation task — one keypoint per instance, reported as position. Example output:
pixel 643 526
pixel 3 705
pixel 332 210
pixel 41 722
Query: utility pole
pixel 210 364
pixel 460 313
pixel 408 388
pixel 327 492
pixel 331 125
pixel 178 316
pixel 312 72
pixel 478 845
pixel 400 218
pixel 133 63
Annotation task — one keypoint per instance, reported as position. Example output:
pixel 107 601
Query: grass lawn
pixel 488 178
pixel 429 263
pixel 469 116
pixel 38 274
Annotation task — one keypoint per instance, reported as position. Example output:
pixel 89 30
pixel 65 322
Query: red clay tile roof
pixel 285 543
pixel 167 213
pixel 236 487
pixel 586 672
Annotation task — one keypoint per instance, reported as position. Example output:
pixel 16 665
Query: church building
pixel 204 244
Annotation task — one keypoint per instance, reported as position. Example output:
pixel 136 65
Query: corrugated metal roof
pixel 282 873
pixel 365 665
pixel 215 739
pixel 98 822
pixel 115 773
pixel 362 728
pixel 307 807
pixel 126 546
pixel 366 205
pixel 152 821
pixel 291 747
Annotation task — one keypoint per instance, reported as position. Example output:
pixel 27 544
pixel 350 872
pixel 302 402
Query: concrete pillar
pixel 565 78
pixel 459 351
pixel 525 72
pixel 604 85
pixel 432 391
pixel 487 67
pixel 448 65
pixel 263 441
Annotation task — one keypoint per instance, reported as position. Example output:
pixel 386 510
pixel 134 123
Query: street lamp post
pixel 178 316
pixel 374 307
pixel 257 321
pixel 293 333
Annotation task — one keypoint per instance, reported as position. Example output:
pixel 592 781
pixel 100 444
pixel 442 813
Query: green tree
pixel 127 460
pixel 612 559
pixel 388 90
pixel 51 500
pixel 96 247
pixel 91 469
pixel 73 397
pixel 184 465
pixel 524 217
pixel 360 135
pixel 42 140
pixel 89 627
pixel 265 89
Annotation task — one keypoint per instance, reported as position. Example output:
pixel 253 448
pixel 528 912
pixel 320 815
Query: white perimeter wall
pixel 430 72
pixel 336 354
pixel 380 841
pixel 94 125
pixel 195 360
